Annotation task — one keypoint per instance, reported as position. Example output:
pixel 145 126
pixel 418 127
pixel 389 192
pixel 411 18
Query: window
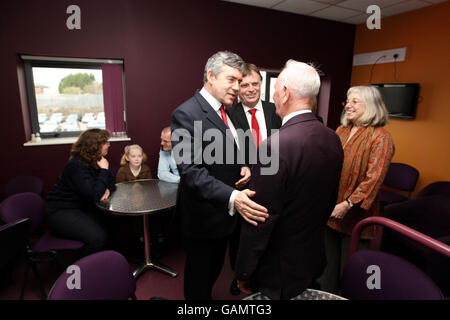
pixel 69 95
pixel 268 84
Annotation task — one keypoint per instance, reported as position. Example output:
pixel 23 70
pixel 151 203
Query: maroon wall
pixel 165 46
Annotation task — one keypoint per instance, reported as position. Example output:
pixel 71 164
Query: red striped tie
pixel 224 116
pixel 255 128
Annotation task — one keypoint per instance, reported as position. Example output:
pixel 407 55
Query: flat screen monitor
pixel 400 98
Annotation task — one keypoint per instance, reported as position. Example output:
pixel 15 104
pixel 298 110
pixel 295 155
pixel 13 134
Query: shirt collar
pixel 293 114
pixel 258 107
pixel 213 102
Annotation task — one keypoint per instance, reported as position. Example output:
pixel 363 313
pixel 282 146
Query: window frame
pixel 60 62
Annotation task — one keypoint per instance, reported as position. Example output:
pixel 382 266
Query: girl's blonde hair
pixel 123 160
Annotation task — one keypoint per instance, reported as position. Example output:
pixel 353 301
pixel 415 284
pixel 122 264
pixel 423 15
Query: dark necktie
pixel 255 128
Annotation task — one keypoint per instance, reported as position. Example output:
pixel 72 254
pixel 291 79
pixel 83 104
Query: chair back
pixel 104 275
pixel 435 188
pixel 397 278
pixel 24 205
pixel 401 176
pixel 20 184
pixel 429 214
pixel 13 240
pixel 377 275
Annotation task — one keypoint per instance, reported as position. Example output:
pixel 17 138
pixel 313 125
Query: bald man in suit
pixel 284 255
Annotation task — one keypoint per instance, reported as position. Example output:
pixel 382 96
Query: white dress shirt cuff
pixel 231 209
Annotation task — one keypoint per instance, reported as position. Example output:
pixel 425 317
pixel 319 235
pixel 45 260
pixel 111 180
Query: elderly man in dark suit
pixel 285 255
pixel 207 156
pixel 251 113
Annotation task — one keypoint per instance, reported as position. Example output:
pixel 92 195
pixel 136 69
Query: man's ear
pixel 210 75
pixel 286 94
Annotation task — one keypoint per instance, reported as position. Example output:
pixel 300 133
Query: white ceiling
pixel 349 11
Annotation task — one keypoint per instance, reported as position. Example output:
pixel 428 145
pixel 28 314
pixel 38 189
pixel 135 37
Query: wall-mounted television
pixel 400 98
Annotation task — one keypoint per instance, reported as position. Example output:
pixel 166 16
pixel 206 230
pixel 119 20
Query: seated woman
pixel 85 180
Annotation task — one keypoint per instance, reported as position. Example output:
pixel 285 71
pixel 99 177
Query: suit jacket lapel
pixel 211 115
pixel 241 117
pixel 268 115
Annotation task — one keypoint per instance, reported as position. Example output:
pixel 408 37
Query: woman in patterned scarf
pixel 368 150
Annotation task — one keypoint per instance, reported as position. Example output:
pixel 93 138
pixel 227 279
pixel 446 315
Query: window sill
pixel 68 140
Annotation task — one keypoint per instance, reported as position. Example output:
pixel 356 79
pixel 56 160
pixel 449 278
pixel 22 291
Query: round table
pixel 142 198
pixel 308 294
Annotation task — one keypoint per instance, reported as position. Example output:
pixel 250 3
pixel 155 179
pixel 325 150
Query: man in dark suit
pixel 206 153
pixel 285 255
pixel 251 114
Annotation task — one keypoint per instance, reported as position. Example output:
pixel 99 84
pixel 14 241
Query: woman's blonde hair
pixel 375 115
pixel 123 160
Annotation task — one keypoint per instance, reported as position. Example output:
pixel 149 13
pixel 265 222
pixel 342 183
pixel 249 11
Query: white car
pixel 100 124
pixel 88 117
pixel 73 117
pixel 57 117
pixel 42 117
pixel 50 126
pixel 101 116
pixel 72 126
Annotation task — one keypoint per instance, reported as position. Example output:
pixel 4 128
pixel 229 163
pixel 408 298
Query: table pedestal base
pixel 151 265
pixel 148 264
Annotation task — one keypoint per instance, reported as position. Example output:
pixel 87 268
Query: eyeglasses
pixel 352 103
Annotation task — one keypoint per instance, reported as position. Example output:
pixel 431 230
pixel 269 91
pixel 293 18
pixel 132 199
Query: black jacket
pixel 205 188
pixel 79 186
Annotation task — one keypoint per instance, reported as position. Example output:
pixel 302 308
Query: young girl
pixel 132 165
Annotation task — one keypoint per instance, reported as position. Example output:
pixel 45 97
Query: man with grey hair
pixel 208 193
pixel 285 255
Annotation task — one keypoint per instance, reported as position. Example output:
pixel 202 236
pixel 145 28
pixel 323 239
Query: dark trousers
pixel 336 250
pixel 234 242
pixel 76 224
pixel 204 261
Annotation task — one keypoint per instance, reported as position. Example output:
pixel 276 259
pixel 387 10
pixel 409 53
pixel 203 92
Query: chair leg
pixel 38 278
pixel 59 261
pixel 24 281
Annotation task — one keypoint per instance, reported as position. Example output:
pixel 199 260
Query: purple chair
pixel 402 177
pixel 376 275
pixel 435 188
pixel 45 249
pixel 13 240
pixel 428 213
pixel 22 184
pixel 104 275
